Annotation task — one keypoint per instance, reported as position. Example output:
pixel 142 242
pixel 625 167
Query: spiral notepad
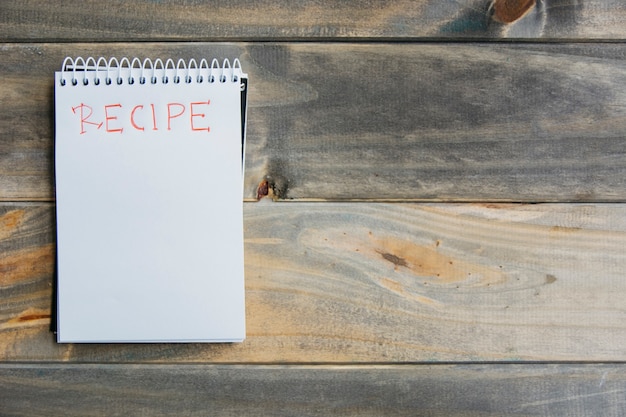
pixel 148 175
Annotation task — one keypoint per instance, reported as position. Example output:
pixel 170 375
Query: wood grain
pixel 375 283
pixel 349 103
pixel 88 20
pixel 445 391
pixel 453 122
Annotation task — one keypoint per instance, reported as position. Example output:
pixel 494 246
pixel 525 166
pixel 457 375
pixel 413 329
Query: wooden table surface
pixel 435 217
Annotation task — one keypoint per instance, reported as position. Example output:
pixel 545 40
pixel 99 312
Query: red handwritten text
pixel 84 117
pixel 115 117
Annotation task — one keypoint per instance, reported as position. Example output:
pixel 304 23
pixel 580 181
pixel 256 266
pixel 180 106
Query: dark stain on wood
pixel 27 318
pixel 30 317
pixel 508 11
pixel 272 187
pixel 550 279
pixel 262 190
pixel 396 260
pixel 279 187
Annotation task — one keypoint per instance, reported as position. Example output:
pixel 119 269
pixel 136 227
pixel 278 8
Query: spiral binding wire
pixel 124 71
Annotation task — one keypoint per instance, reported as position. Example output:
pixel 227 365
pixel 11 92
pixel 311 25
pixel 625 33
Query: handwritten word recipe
pixel 114 118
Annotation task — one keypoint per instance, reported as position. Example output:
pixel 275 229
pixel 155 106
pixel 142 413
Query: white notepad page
pixel 149 204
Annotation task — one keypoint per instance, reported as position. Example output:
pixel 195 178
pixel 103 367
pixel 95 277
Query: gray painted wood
pixel 358 120
pixel 34 20
pixel 416 390
pixel 442 122
pixel 374 283
pixel 452 122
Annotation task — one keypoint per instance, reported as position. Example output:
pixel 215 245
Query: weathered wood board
pixel 453 122
pixel 444 122
pixel 90 20
pixel 374 282
pixel 422 390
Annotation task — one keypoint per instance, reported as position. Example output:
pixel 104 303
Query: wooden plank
pixel 359 282
pixel 451 122
pixel 89 20
pixel 450 391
